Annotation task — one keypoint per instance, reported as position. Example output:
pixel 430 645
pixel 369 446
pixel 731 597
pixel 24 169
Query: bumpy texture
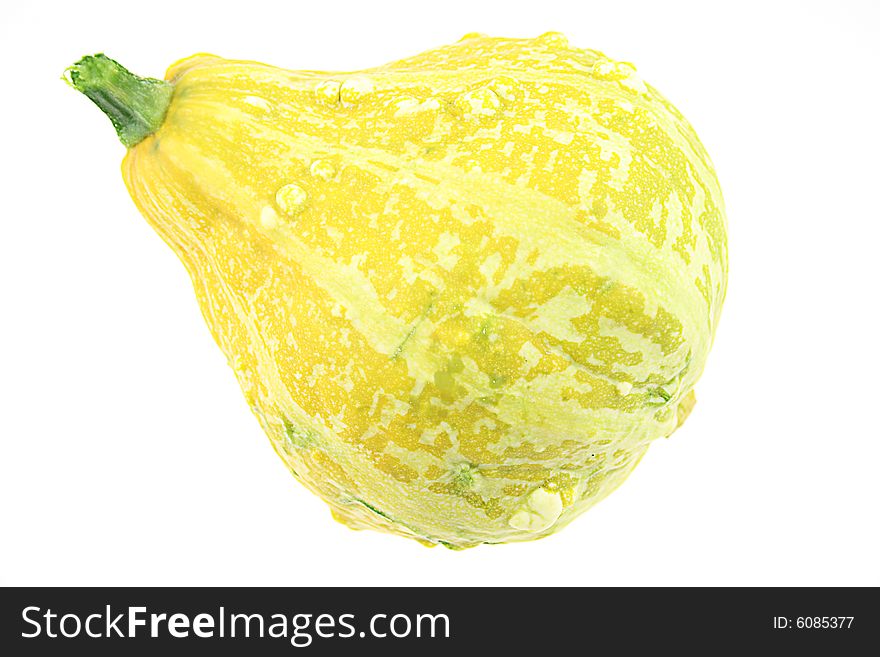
pixel 462 292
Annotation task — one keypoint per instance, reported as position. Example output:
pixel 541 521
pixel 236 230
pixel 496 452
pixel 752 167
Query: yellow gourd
pixel 462 292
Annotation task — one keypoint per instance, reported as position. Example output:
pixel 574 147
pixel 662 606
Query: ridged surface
pixel 462 292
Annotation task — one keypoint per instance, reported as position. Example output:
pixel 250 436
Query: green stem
pixel 136 106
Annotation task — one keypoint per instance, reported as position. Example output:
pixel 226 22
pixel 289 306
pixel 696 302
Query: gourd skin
pixel 462 292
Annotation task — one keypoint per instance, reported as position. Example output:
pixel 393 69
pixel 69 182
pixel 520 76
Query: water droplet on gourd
pixel 478 104
pixel 608 69
pixel 621 72
pixel 324 169
pixel 258 103
pixel 556 39
pixel 268 217
pixel 538 512
pixel 291 199
pixel 409 106
pixel 328 91
pixel 354 89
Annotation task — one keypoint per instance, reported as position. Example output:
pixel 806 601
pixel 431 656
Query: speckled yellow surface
pixel 462 292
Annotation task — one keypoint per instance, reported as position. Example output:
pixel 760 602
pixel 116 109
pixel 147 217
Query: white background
pixel 129 456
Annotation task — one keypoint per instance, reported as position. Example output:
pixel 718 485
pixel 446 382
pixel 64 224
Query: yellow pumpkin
pixel 462 292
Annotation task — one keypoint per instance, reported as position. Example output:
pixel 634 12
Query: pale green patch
pixel 296 438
